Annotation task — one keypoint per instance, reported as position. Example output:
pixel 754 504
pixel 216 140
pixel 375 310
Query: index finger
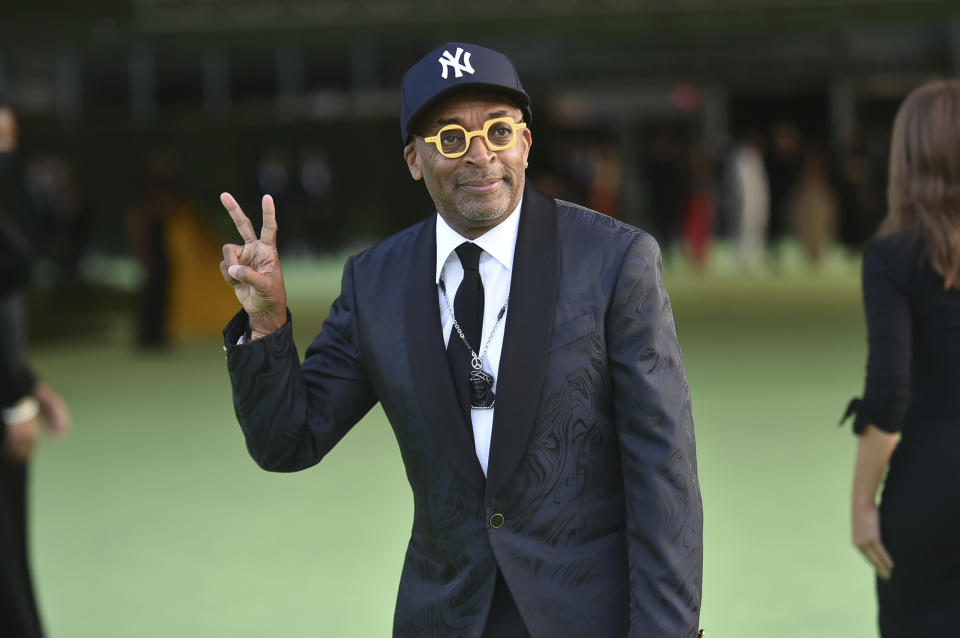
pixel 239 219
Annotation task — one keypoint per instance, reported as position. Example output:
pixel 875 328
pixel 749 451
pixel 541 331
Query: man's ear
pixel 413 160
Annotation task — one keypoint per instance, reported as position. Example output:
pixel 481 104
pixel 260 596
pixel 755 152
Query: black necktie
pixel 468 311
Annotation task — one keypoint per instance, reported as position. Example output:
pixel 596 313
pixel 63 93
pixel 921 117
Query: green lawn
pixel 150 520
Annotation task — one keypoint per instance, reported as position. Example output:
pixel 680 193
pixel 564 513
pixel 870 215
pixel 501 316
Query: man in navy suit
pixel 524 352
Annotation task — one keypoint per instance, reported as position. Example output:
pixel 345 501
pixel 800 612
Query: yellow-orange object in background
pixel 200 302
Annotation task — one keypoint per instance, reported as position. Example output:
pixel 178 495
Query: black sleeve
pixel 15 261
pixel 16 378
pixel 16 384
pixel 889 326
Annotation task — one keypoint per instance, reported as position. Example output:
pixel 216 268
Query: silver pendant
pixel 481 390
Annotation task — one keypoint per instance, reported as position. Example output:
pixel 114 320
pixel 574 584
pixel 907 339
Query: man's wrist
pixel 261 326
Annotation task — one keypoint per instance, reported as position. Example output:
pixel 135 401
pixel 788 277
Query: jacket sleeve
pixel 657 450
pixel 292 414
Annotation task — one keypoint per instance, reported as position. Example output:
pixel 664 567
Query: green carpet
pixel 150 520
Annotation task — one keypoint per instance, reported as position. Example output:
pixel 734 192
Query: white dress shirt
pixel 496 271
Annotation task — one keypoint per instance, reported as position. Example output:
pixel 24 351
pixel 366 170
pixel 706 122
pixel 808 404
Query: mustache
pixel 467 176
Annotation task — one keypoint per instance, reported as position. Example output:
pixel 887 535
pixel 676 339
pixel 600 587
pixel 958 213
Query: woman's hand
pixel 20 439
pixel 53 409
pixel 866 537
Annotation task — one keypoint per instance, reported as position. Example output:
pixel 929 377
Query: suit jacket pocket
pixel 573 331
pixel 602 517
pixel 428 565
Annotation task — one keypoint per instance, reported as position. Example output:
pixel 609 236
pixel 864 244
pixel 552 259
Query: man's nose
pixel 478 152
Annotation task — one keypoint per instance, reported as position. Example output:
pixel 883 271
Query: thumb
pixel 247 275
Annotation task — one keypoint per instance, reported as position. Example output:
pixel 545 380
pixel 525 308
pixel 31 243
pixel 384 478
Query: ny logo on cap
pixel 454 60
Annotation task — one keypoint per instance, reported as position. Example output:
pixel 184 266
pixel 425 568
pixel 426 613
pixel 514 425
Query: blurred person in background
pixel 603 195
pixel 783 164
pixel 275 175
pixel 181 295
pixel 812 209
pixel 665 167
pixel 323 227
pixel 60 217
pixel 25 404
pixel 861 167
pixel 147 230
pixel 700 210
pixel 911 290
pixel 554 472
pixel 749 191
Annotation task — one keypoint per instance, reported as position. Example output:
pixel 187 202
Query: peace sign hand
pixel 254 268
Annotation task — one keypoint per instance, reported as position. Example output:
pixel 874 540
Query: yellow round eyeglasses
pixel 453 140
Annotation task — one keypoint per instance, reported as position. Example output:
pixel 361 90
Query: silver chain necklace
pixel 481 395
pixel 476 361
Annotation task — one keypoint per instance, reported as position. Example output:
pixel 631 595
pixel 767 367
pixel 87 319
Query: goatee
pixel 480 209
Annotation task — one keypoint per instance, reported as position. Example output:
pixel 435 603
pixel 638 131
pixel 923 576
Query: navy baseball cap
pixel 455 67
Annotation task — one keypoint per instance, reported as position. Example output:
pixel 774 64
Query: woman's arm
pixel 874 448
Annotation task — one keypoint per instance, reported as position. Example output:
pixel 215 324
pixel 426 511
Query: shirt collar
pixel 500 242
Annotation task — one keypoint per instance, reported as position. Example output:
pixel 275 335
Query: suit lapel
pixel 533 301
pixel 428 360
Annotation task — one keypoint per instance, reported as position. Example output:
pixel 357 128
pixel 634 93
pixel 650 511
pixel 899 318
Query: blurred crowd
pixel 766 186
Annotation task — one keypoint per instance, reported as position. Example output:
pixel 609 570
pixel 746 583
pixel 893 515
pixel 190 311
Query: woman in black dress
pixel 908 420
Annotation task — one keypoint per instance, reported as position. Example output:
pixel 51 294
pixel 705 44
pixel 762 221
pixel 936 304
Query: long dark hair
pixel 924 189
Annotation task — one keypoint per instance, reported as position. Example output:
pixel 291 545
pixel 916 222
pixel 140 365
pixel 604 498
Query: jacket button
pixel 496 521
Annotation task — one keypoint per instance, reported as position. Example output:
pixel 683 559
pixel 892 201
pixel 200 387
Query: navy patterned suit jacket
pixel 592 460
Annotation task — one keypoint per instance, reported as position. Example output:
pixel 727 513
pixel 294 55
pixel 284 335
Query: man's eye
pixel 450 139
